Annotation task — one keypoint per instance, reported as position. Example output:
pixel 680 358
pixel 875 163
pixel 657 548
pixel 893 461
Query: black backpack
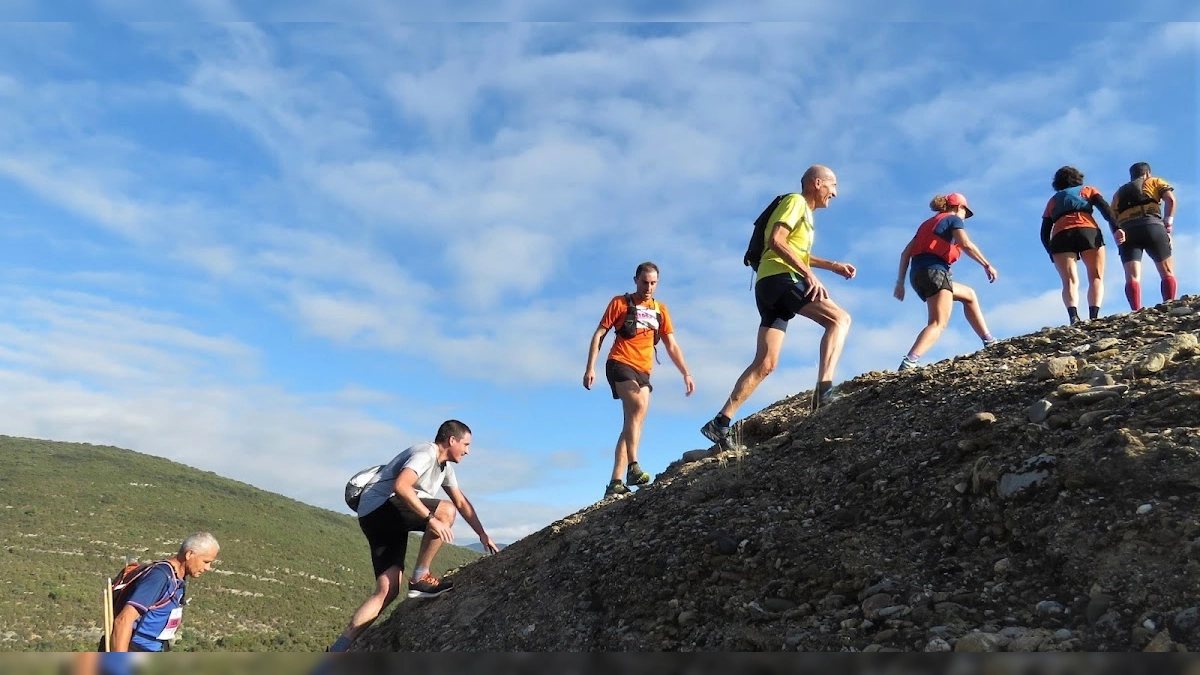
pixel 757 246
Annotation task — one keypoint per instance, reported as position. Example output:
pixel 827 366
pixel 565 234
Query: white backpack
pixel 358 483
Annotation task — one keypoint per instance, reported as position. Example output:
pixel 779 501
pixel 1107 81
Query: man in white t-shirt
pixel 401 500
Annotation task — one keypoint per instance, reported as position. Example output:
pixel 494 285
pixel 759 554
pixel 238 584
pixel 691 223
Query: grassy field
pixel 288 577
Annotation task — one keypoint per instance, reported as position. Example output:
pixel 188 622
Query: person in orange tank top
pixel 641 321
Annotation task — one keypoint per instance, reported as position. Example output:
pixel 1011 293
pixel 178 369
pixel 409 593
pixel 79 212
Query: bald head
pixel 818 185
pixel 813 173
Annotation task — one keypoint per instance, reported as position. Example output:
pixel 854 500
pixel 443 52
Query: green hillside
pixel 288 577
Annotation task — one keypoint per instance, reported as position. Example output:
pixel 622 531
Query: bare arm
pixel 405 489
pixel 778 243
pixel 464 507
pixel 842 269
pixel 969 247
pixel 905 257
pixel 676 355
pixel 123 628
pixel 1169 209
pixel 589 373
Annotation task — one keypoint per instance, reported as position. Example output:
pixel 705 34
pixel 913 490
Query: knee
pixel 767 365
pixel 841 320
pixel 446 512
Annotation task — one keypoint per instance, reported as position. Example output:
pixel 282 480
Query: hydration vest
pixel 1133 195
pixel 926 241
pixel 629 327
pixel 1069 201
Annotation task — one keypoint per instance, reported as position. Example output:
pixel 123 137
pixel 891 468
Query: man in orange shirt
pixel 641 321
pixel 1145 209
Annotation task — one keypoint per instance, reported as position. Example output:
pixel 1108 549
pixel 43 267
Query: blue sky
pixel 284 252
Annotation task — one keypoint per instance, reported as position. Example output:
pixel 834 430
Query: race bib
pixel 176 618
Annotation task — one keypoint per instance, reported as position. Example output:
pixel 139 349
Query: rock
pixel 885 586
pixel 886 635
pixel 1104 344
pixel 1029 643
pixel 1050 608
pixel 1097 606
pixel 1032 473
pixel 1063 634
pixel 1056 368
pixel 978 642
pixel 938 645
pixel 777 604
pixel 1110 622
pixel 1099 393
pixel 977 421
pixel 1153 363
pixel 1161 643
pixel 1038 412
pixel 697 455
pixel 872 605
pixel 1184 624
pixel 1144 509
pixel 1161 353
pixel 1092 417
pixel 1183 310
pixel 1068 389
pixel 1002 566
pixel 686 618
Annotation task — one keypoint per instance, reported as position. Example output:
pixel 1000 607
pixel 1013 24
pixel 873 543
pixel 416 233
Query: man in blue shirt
pixel 151 616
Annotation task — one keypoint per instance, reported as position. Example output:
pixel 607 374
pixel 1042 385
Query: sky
pixel 283 252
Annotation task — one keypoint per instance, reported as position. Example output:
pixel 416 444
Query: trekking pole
pixel 108 615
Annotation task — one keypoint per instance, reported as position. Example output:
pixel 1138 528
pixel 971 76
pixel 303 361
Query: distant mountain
pixel 478 547
pixel 288 577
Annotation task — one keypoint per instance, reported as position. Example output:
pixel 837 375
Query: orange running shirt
pixel 636 352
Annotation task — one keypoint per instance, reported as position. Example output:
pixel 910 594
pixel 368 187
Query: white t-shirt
pixel 421 458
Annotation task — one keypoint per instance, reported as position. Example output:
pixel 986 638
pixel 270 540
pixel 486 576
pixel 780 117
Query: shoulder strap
pixel 172 586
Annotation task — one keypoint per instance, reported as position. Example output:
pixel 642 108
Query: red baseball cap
pixel 959 199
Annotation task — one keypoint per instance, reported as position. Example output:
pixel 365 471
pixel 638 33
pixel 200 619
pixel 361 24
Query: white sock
pixel 420 572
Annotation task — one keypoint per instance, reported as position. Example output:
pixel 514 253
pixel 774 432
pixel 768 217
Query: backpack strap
pixel 172 585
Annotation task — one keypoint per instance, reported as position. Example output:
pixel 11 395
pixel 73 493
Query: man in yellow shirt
pixel 1145 208
pixel 786 286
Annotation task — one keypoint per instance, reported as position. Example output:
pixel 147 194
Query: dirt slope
pixel 1037 495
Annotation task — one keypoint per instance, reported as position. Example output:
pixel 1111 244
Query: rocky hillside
pixel 1039 495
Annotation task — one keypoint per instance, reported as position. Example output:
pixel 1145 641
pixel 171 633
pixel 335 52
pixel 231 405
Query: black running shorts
pixel 616 372
pixel 1076 240
pixel 387 529
pixel 929 281
pixel 1145 234
pixel 779 298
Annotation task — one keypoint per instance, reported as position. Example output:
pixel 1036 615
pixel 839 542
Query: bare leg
pixel 387 586
pixel 635 401
pixel 971 309
pixel 939 306
pixel 836 322
pixel 766 358
pixel 1093 262
pixel 1064 263
pixel 430 543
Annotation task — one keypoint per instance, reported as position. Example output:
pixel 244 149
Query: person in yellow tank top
pixel 786 286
